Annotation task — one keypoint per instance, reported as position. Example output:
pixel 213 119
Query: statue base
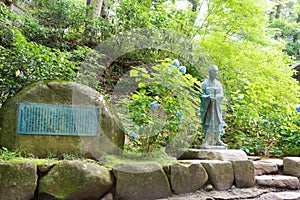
pixel 212 147
pixel 213 154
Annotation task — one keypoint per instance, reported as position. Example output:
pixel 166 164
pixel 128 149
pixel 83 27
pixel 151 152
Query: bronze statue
pixel 211 107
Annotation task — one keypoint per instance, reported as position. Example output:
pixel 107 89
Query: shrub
pixel 163 111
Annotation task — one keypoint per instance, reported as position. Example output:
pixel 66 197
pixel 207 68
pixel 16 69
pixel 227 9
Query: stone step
pixel 278 181
pixel 214 154
pixel 289 195
pixel 264 167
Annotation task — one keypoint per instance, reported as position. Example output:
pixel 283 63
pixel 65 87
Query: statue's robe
pixel 211 110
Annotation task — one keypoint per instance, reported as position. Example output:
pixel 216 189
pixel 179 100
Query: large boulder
pixel 141 180
pixel 291 166
pixel 187 177
pixel 110 137
pixel 75 180
pixel 18 181
pixel 244 176
pixel 220 173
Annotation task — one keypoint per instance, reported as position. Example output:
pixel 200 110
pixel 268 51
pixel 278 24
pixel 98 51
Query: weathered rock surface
pixel 236 193
pixel 281 196
pixel 110 137
pixel 291 166
pixel 141 180
pixel 75 180
pixel 214 154
pixel 187 177
pixel 275 161
pixel 262 168
pixel 17 181
pixel 243 173
pixel 220 173
pixel 280 181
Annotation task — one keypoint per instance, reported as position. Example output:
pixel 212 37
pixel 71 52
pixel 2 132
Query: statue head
pixel 213 71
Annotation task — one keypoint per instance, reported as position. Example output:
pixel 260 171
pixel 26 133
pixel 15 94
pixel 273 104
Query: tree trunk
pixel 278 11
pixel 100 8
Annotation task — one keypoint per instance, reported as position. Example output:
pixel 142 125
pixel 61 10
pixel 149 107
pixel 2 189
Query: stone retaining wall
pixel 77 180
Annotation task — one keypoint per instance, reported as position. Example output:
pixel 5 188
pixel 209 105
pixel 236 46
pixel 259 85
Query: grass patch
pixel 107 161
pixel 131 156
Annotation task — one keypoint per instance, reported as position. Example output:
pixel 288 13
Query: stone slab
pixel 282 195
pixel 264 168
pixel 214 154
pixel 279 181
pixel 220 173
pixel 187 177
pixel 244 176
pixel 291 166
pixel 141 180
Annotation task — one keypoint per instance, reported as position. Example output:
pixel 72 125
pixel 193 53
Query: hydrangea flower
pixel 133 136
pixel 222 131
pixel 176 63
pixel 298 108
pixel 266 122
pixel 154 105
pixel 179 115
pixel 223 124
pixel 182 69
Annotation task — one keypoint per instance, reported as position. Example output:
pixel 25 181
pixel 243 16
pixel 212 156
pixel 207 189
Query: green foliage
pixel 64 24
pixel 6 155
pixel 164 109
pixel 288 32
pixel 258 90
pixel 130 14
pixel 27 62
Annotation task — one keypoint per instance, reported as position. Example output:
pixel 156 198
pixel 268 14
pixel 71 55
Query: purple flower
pixel 154 105
pixel 298 108
pixel 182 69
pixel 176 63
pixel 133 136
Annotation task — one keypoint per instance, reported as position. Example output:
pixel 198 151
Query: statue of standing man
pixel 211 108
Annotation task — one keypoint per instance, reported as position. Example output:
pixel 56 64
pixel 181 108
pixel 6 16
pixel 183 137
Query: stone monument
pixel 211 109
pixel 60 118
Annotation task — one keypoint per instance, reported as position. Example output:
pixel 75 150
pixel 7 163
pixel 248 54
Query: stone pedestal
pixel 214 154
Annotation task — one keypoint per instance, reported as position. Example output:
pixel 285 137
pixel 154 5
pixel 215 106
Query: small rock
pixel 108 196
pixel 46 167
pixel 209 187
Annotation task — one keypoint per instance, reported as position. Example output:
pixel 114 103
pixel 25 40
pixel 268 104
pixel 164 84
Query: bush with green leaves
pixel 28 62
pixel 163 111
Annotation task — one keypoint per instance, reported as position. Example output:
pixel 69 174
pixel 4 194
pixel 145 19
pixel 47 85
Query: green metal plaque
pixel 46 119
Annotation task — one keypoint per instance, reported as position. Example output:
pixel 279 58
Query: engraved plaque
pixel 48 119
